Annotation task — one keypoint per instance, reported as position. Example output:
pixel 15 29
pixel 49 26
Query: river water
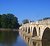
pixel 12 38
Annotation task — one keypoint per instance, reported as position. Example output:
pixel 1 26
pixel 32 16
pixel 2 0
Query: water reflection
pixel 40 43
pixel 8 38
pixel 45 43
pixel 31 42
pixel 12 38
pixel 36 43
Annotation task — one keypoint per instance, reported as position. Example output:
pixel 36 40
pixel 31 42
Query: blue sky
pixel 26 9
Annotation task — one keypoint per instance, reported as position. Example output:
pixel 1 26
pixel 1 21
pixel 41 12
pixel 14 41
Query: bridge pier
pixel 27 29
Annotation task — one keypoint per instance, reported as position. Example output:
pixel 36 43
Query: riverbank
pixel 8 29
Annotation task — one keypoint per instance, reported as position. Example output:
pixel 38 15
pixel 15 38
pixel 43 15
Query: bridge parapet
pixel 44 21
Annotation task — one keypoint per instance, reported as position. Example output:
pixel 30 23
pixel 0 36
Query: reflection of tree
pixel 8 37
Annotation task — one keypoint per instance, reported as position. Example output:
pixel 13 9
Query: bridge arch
pixel 39 31
pixel 29 30
pixel 34 32
pixel 46 34
pixel 26 29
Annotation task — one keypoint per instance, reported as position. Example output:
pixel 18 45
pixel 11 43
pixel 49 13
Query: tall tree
pixel 9 21
pixel 0 21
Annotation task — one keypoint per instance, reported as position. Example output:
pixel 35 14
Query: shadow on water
pixel 7 38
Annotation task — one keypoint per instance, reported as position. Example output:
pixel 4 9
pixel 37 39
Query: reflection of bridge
pixel 36 30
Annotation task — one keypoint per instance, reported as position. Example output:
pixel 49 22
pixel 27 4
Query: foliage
pixel 0 20
pixel 8 21
pixel 25 21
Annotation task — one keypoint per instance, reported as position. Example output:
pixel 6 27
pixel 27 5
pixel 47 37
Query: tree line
pixel 9 21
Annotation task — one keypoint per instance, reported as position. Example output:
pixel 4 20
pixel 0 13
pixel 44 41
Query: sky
pixel 26 9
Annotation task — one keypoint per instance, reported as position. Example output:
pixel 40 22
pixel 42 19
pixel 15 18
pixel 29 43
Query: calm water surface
pixel 12 38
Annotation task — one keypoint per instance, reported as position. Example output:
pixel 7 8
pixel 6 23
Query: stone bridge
pixel 38 30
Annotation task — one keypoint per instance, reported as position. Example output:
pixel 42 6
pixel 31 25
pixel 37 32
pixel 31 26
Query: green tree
pixel 3 21
pixel 0 21
pixel 25 21
pixel 9 21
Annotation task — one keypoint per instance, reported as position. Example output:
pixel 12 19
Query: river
pixel 12 38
